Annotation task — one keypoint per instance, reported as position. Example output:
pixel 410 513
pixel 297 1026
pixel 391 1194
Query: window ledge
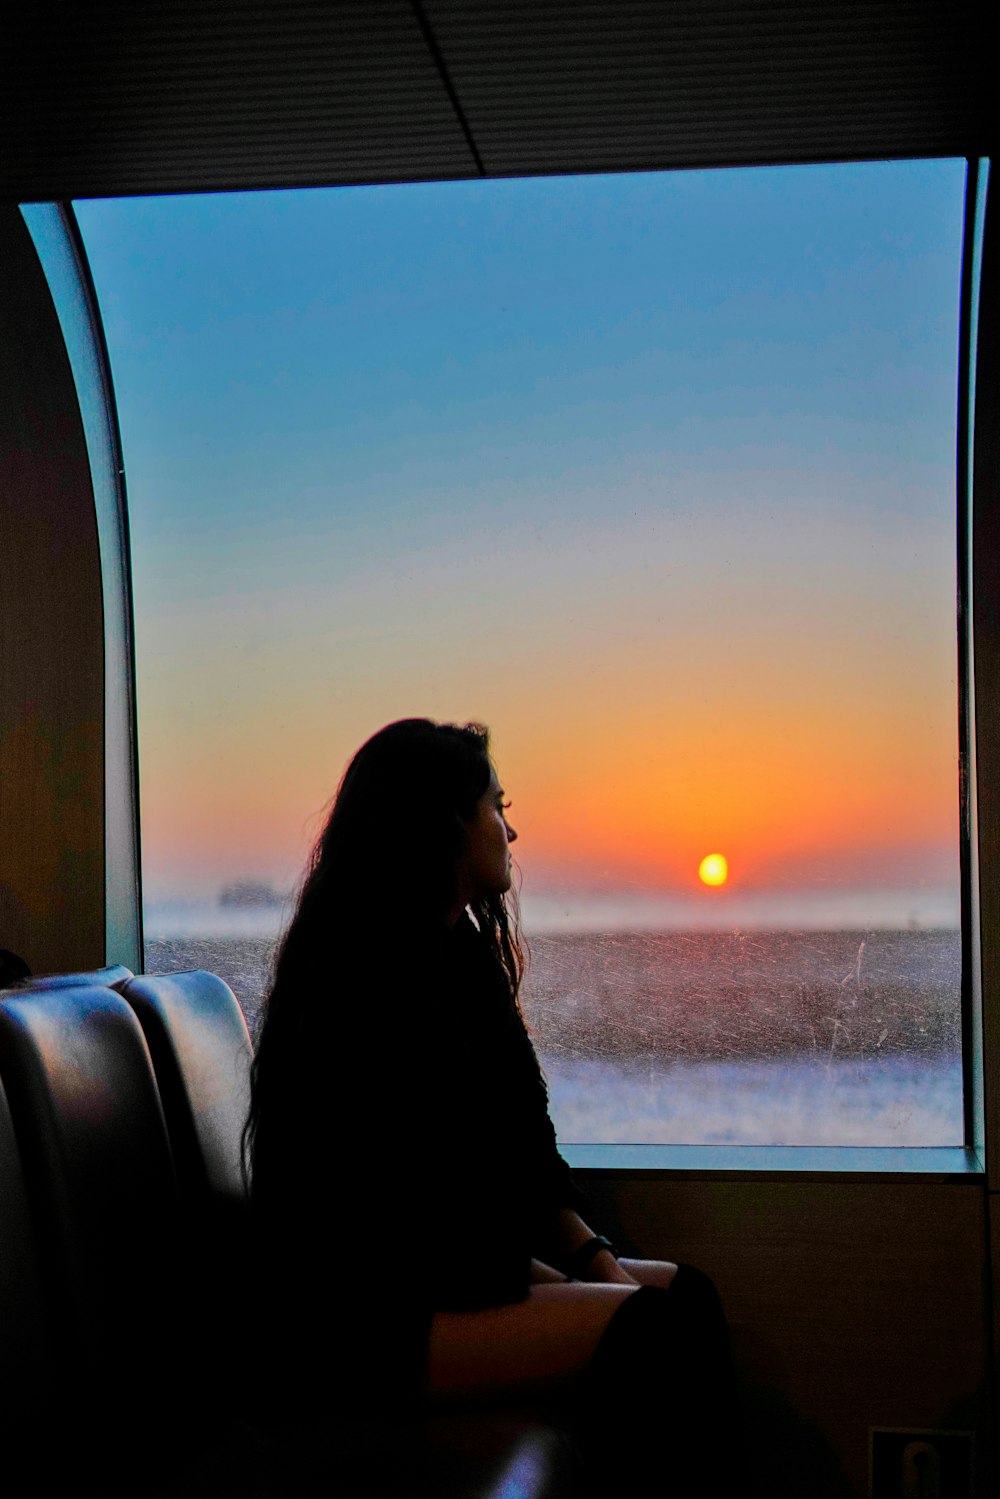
pixel 801 1160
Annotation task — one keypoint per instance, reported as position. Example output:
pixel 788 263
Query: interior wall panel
pixel 188 95
pixel 853 1304
pixel 60 250
pixel 51 637
pixel 588 87
pixel 112 97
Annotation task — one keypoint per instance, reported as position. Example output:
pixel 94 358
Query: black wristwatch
pixel 581 1257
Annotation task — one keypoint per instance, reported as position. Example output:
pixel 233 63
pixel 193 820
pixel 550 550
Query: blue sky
pixel 524 320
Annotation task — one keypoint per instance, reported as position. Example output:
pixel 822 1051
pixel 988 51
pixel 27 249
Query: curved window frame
pixel 56 237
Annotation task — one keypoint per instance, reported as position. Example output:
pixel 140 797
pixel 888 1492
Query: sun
pixel 713 869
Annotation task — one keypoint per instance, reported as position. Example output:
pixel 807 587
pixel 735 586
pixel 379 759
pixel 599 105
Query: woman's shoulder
pixel 470 962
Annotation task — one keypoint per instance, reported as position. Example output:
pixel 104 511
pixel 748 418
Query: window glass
pixel 654 475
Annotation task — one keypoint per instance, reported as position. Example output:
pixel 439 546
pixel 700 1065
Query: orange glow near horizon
pixel 628 743
pixel 804 778
pixel 617 804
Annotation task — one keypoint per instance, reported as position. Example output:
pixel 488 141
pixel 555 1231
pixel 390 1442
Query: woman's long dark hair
pixel 381 881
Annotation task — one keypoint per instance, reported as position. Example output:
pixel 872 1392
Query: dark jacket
pixel 414 1167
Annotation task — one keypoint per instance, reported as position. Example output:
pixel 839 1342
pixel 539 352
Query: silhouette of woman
pixel 414 1214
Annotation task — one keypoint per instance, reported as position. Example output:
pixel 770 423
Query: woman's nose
pixel 511 832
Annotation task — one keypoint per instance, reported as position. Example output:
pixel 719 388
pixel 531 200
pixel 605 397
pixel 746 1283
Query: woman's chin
pixel 499 887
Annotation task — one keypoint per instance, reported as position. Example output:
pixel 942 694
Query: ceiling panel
pixel 138 96
pixel 558 87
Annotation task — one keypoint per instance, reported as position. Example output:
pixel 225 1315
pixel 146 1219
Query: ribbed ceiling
pixel 702 83
pixel 144 96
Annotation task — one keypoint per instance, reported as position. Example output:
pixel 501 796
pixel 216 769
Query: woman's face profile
pixel 484 866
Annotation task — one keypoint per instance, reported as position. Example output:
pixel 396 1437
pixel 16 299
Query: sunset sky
pixel 653 474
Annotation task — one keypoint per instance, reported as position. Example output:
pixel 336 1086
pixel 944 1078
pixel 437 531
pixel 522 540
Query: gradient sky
pixel 654 474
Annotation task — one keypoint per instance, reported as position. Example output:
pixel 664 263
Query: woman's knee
pixel 661 1392
pixel 650 1272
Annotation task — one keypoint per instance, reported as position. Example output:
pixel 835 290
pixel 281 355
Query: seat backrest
pixel 112 977
pixel 28 1349
pixel 132 1281
pixel 98 1173
pixel 22 1321
pixel 201 1051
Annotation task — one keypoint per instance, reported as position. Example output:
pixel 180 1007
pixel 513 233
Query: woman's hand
pixel 543 1274
pixel 604 1267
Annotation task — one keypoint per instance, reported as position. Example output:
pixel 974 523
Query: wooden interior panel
pixel 51 637
pixel 853 1304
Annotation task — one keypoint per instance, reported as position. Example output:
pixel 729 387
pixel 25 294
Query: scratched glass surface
pixel 818 1038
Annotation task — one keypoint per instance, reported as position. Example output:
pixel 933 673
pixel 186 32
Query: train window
pixel 654 474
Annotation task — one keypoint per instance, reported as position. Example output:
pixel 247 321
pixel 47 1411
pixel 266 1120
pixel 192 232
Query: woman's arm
pixel 573 1234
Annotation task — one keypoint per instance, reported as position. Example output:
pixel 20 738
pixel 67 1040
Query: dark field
pixel 701 996
pixel 709 995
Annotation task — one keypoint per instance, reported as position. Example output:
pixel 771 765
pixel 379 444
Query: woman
pixel 412 1203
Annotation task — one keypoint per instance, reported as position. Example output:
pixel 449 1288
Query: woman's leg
pixel 542 1274
pixel 529 1348
pixel 650 1272
pixel 643 1272
pixel 532 1346
pixel 658 1411
pixel 642 1375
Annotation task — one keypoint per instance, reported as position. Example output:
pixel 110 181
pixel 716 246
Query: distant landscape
pixel 739 1037
pixel 696 996
pixel 711 995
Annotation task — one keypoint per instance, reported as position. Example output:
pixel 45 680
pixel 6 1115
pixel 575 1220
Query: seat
pixel 102 1194
pixel 469 1457
pixel 201 1052
pixel 112 977
pixel 498 1457
pixel 26 1347
pixel 136 1291
pixel 91 1132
